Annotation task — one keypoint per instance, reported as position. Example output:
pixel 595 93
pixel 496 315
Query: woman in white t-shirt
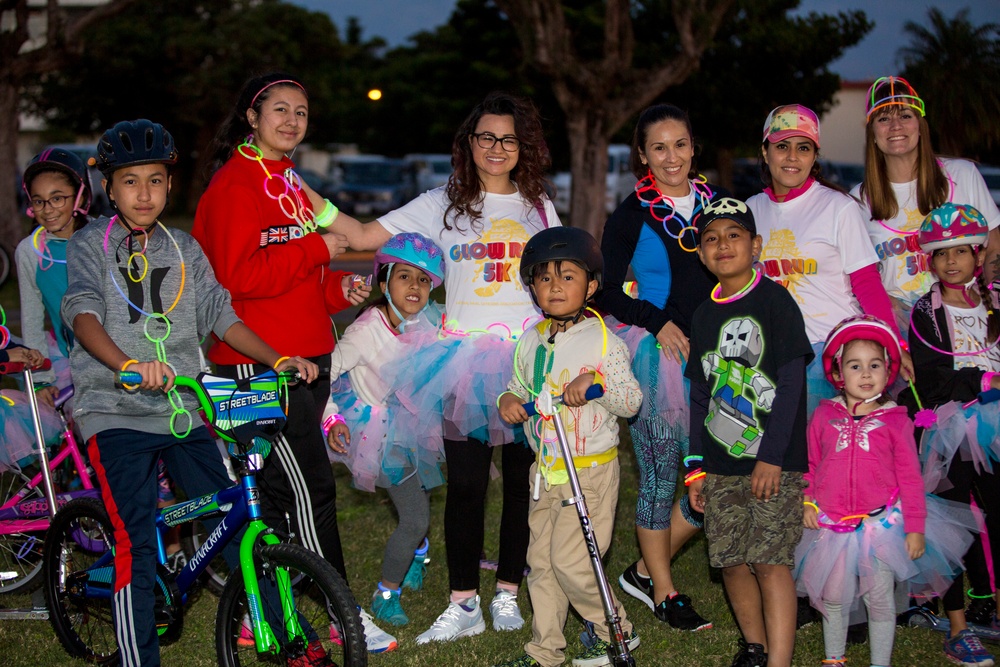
pixel 815 242
pixel 493 203
pixel 904 181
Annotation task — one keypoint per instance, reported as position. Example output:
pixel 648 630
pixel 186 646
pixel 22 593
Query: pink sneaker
pixel 335 635
pixel 246 633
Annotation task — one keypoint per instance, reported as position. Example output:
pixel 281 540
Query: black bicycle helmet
pixel 65 162
pixel 562 243
pixel 133 142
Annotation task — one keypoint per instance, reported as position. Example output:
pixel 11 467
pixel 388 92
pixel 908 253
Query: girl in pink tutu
pixel 868 522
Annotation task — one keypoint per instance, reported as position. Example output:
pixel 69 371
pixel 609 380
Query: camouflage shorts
pixel 741 529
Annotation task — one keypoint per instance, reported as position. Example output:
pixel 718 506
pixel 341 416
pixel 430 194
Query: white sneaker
pixel 377 639
pixel 455 622
pixel 505 613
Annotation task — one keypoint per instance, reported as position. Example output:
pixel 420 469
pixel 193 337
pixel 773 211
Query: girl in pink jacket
pixel 867 521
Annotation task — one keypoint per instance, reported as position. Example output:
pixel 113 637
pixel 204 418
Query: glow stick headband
pixel 275 83
pixel 904 95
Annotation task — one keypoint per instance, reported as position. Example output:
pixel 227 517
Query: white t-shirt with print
pixel 904 268
pixel 483 288
pixel 970 335
pixel 811 244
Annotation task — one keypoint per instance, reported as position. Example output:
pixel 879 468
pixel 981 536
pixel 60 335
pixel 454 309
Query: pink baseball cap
pixel 791 120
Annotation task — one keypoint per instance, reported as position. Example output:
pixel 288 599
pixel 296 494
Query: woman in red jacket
pixel 258 227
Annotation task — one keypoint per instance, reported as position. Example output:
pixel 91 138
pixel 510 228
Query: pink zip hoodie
pixel 856 465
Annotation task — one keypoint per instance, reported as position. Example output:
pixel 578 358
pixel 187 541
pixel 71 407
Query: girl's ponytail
pixel 992 316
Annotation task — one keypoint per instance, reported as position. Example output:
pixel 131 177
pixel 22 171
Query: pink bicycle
pixel 27 504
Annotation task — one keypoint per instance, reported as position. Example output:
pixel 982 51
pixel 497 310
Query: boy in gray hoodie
pixel 140 298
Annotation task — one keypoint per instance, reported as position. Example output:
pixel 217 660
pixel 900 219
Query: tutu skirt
pixel 839 567
pixel 384 450
pixel 665 390
pixel 17 429
pixel 972 433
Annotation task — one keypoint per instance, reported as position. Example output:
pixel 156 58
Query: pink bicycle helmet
pixel 951 225
pixel 415 250
pixel 861 327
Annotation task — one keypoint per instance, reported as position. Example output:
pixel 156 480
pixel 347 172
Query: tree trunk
pixel 588 149
pixel 724 165
pixel 11 220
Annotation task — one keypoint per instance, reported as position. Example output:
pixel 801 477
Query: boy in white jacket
pixel 565 354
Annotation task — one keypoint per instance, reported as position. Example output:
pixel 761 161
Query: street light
pixel 374 94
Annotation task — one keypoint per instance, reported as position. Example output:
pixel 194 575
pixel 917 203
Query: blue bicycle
pixel 285 605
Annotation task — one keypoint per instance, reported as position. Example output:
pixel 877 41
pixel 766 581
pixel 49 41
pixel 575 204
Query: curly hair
pixel 876 190
pixel 465 188
pixel 649 117
pixel 236 127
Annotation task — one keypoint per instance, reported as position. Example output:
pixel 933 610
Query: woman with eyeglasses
pixel 493 203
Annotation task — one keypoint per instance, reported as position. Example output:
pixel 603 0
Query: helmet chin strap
pixel 563 319
pixel 963 286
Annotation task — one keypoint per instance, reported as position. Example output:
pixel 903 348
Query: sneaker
pixel 638 586
pixel 597 655
pixel 834 662
pixel 678 612
pixel 966 649
pixel 335 635
pixel 414 579
pixel 315 656
pixel 246 632
pixel 505 613
pixel 804 613
pixel 377 639
pixel 454 622
pixel 386 606
pixel 750 655
pixel 981 611
pixel 524 661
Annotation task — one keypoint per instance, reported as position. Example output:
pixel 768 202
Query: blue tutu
pixel 972 433
pixel 838 567
pixel 384 450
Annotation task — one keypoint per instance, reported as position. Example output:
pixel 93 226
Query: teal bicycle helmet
pixel 415 250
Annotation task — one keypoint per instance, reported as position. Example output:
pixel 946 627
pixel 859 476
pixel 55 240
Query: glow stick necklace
pixel 284 188
pixel 717 290
pixel 40 246
pixel 173 396
pixel 651 197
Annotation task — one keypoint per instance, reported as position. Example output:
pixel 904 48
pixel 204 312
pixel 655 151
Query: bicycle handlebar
pixel 9 367
pixel 593 391
pixel 988 396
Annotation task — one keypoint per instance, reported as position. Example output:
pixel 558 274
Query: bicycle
pixel 25 501
pixel 294 603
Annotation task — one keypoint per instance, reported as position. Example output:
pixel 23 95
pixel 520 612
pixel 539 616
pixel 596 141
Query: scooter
pixel 548 406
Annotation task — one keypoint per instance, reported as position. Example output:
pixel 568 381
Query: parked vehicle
pixel 372 184
pixel 844 174
pixel 619 182
pixel 323 186
pixel 432 169
pixel 992 177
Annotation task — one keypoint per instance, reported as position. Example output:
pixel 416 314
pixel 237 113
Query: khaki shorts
pixel 741 529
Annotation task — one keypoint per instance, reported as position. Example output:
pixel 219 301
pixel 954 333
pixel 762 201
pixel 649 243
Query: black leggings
pixel 985 488
pixel 465 510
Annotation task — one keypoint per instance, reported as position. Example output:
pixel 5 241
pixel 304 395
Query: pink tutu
pixel 838 567
pixel 665 389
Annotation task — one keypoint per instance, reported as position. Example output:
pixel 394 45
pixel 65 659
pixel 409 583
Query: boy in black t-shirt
pixel 749 352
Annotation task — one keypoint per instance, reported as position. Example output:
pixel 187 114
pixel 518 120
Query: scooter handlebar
pixel 593 391
pixel 10 367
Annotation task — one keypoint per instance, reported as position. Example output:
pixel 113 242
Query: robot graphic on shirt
pixel 731 419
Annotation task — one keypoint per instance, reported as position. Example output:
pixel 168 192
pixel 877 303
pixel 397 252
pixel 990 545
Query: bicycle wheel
pixel 20 552
pixel 79 535
pixel 193 535
pixel 322 599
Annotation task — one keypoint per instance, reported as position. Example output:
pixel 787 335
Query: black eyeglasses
pixel 55 201
pixel 488 140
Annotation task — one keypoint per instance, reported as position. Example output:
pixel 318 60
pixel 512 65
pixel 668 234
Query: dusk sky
pixel 396 20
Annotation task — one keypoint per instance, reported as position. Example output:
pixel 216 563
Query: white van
pixel 619 182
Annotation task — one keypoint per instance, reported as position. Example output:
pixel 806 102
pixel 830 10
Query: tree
pixel 589 58
pixel 182 63
pixel 23 57
pixel 956 66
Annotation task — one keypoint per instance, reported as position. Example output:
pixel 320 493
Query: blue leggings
pixel 658 450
